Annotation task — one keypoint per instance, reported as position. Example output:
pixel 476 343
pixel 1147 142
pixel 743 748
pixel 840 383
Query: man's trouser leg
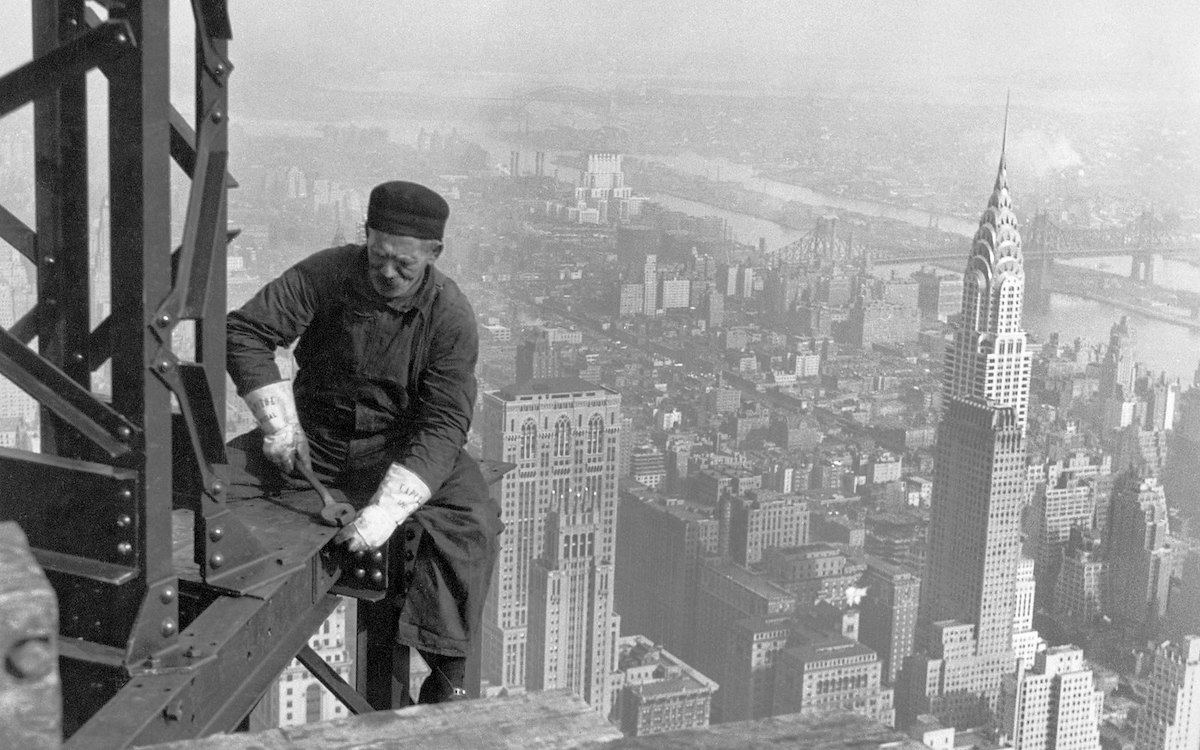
pixel 445 680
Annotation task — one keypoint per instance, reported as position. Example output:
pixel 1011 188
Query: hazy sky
pixel 1131 45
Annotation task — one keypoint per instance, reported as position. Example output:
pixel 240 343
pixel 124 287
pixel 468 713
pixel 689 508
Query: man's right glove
pixel 275 409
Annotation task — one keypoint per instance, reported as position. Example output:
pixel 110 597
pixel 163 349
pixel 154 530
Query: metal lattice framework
pixel 179 602
pixel 1142 237
pixel 1043 240
pixel 821 247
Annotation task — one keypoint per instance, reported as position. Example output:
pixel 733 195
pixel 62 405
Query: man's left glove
pixel 400 493
pixel 284 441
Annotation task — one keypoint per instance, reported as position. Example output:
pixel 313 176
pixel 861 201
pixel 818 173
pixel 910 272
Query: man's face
pixel 397 263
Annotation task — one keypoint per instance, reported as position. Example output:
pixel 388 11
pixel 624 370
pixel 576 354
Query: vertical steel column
pixel 381 666
pixel 212 91
pixel 60 145
pixel 140 226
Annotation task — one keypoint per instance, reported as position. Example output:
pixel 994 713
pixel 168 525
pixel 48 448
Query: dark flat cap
pixel 407 209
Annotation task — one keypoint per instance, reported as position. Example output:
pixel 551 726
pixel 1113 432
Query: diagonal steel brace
pixel 67 399
pixel 43 76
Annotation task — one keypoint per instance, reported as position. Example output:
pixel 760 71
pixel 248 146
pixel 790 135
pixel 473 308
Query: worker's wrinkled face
pixel 396 264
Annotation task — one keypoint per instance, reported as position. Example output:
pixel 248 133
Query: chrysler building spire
pixel 967 622
pixel 989 360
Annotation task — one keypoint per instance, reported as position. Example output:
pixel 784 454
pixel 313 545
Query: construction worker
pixel 386 346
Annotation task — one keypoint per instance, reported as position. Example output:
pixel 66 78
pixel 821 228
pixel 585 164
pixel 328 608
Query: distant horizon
pixel 964 48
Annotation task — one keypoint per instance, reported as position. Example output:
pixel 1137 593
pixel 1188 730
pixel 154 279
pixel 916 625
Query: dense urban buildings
pixel 1171 717
pixel 823 670
pixel 657 691
pixel 1052 704
pixel 791 433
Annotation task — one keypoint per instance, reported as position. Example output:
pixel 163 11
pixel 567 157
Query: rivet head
pixel 162 320
pixel 167 595
pixel 124 548
pixel 377 556
pixel 217 560
pixel 49 260
pixel 121 38
pixel 77 357
pixel 218 115
pixel 359 573
pixel 124 432
pixel 377 576
pixel 216 532
pixel 219 69
pixel 163 365
pixel 217 487
pixel 359 554
pixel 124 522
pixel 168 627
pixel 30 659
pixel 125 494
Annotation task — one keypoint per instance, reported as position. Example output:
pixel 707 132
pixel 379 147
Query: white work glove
pixel 275 409
pixel 400 493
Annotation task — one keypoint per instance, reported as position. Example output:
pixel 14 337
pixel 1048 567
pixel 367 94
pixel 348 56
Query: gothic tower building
pixel 549 620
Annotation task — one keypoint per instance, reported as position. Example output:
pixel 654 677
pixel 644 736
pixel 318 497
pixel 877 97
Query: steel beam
pixel 140 226
pixel 60 146
pixel 183 147
pixel 25 329
pixel 67 60
pixel 65 398
pixel 332 681
pixel 231 647
pixel 14 232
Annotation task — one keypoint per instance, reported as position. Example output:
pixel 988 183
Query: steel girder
pixel 98 499
pixel 179 605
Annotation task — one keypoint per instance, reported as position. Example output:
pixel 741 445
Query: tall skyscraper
pixel 741 620
pixel 1170 719
pixel 1053 705
pixel 1057 508
pixel 889 613
pixel 662 546
pixel 650 285
pixel 602 192
pixel 548 620
pixel 968 593
pixel 1118 372
pixel 1139 569
pixel 537 357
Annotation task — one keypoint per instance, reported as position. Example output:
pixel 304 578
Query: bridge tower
pixel 1041 239
pixel 1144 237
pixel 820 249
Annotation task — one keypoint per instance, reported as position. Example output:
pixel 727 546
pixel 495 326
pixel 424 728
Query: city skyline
pixel 794 425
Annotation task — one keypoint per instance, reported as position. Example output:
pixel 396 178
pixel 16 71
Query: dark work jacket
pixel 381 381
pixel 367 366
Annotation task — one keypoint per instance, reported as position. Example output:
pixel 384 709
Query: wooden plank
pixel 542 721
pixel 548 721
pixel 828 731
